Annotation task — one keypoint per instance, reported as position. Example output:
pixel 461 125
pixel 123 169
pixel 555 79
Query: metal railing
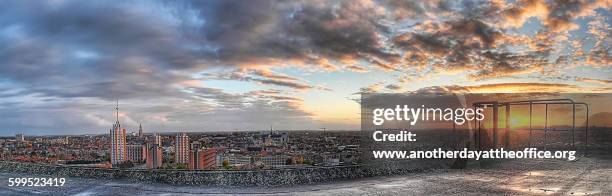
pixel 546 102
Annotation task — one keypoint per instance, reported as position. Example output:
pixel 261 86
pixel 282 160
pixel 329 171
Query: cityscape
pixel 139 149
pixel 275 97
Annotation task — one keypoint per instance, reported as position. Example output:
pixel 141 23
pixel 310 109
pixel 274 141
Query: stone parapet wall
pixel 273 177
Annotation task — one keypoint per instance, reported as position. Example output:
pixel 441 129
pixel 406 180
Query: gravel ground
pixel 520 177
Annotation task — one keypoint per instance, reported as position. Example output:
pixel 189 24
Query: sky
pixel 248 65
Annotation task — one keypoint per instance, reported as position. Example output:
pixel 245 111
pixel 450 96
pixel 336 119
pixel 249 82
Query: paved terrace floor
pixel 585 176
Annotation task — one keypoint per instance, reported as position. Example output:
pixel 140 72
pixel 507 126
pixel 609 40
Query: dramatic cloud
pixel 477 38
pixel 163 54
pixel 393 87
pixel 356 68
pixel 518 14
pixel 592 80
pixel 563 12
pixel 501 88
pixel 260 76
pixel 373 88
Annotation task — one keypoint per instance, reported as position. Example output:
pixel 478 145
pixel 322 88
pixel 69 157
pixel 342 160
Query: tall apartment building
pixel 181 148
pixel 154 156
pixel 202 158
pixel 136 152
pixel 117 142
pixel 154 152
pixel 156 139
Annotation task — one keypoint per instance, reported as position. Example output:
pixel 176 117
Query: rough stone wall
pixel 273 177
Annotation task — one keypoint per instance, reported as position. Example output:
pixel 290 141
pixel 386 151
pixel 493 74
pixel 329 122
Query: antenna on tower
pixel 117 108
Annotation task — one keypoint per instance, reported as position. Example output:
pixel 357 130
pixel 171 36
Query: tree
pixel 226 164
pixel 106 157
pixel 181 166
pixel 126 164
pixel 299 160
pixel 289 161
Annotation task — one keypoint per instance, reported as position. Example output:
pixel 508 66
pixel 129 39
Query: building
pixel 156 139
pixel 181 148
pixel 196 145
pixel 19 137
pixel 284 139
pixel 202 158
pixel 117 142
pixel 154 152
pixel 154 156
pixel 140 132
pixel 136 152
pixel 233 160
pixel 331 159
pixel 272 160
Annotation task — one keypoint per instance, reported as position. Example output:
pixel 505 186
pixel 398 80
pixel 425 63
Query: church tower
pixel 140 134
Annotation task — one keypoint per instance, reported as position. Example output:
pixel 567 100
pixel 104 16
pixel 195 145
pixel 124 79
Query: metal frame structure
pixel 531 103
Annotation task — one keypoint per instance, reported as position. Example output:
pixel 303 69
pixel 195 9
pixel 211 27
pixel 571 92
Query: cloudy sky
pixel 236 65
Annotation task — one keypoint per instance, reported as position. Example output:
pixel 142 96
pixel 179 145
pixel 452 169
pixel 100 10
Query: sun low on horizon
pixel 291 65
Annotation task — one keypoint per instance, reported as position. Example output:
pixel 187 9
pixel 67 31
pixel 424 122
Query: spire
pixel 140 130
pixel 117 109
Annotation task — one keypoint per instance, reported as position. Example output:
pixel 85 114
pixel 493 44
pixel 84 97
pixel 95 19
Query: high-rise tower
pixel 117 141
pixel 181 148
pixel 156 139
pixel 154 152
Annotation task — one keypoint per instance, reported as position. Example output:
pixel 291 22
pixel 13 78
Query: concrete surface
pixel 585 176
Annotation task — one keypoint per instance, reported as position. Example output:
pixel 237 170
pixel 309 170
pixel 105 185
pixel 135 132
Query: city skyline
pixel 293 65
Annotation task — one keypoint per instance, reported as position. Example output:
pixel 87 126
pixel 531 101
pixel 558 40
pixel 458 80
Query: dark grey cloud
pixel 562 12
pixel 393 87
pixel 265 31
pixel 337 31
pixel 262 77
pixel 126 49
pixel 238 31
pixel 106 50
pixel 458 42
pixel 134 50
